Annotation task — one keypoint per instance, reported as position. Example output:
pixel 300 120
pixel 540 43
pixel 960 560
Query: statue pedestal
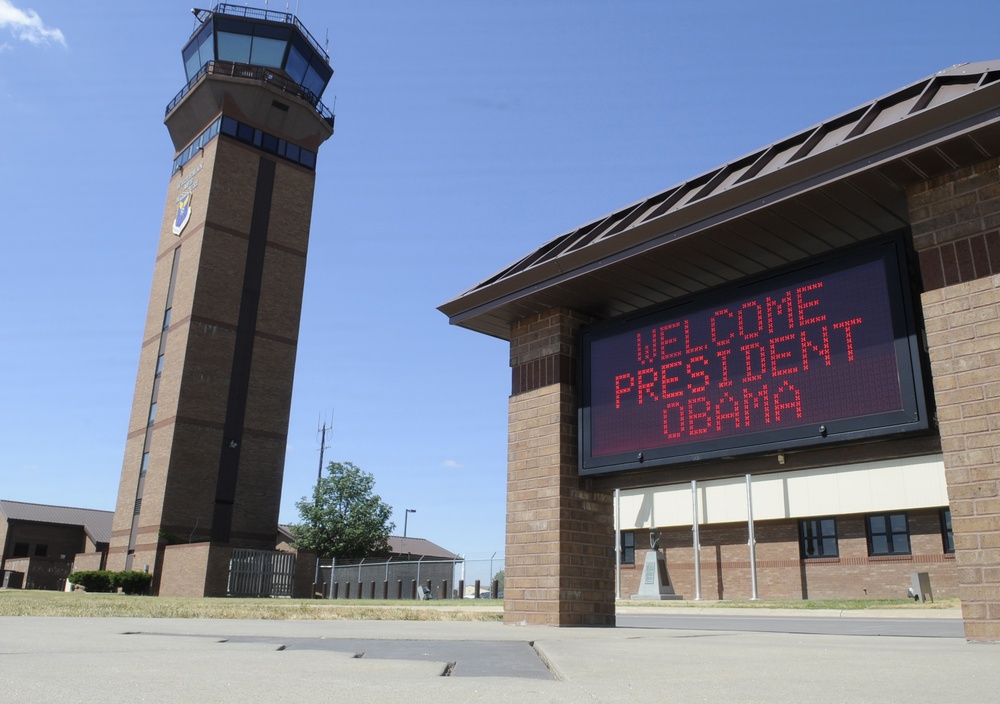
pixel 652 587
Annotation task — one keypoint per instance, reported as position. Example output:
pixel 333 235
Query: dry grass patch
pixel 16 602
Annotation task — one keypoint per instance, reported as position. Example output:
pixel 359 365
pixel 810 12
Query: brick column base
pixel 560 534
pixel 955 220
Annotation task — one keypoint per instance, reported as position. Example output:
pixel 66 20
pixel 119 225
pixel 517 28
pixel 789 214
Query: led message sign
pixel 825 352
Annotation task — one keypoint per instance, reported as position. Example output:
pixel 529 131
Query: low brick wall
pixel 46 573
pixel 86 561
pixel 195 569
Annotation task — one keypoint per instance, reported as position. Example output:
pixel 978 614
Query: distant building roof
pixel 418 547
pixel 97 524
pixel 414 547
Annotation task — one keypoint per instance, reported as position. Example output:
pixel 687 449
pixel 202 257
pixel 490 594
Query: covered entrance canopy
pixel 924 160
pixel 826 187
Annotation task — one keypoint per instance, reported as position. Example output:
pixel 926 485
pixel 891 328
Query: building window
pixel 818 537
pixel 244 133
pixel 888 534
pixel 145 464
pixel 159 365
pixel 628 548
pixel 250 135
pixel 20 550
pixel 152 413
pixel 946 534
pixel 41 550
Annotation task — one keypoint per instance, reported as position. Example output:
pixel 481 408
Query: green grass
pixel 17 602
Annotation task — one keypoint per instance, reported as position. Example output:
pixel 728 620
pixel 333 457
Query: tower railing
pixel 257 13
pixel 257 73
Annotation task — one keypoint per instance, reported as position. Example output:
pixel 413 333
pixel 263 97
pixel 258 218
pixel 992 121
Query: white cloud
pixel 451 464
pixel 28 26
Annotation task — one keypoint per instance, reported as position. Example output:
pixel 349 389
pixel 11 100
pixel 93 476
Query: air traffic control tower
pixel 205 451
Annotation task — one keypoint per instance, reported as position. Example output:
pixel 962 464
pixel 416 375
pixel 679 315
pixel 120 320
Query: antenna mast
pixel 322 446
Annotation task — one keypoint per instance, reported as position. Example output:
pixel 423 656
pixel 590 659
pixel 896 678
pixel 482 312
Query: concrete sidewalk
pixel 200 660
pixel 674 608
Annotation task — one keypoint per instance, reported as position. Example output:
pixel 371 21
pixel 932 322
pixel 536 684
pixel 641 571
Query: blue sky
pixel 468 134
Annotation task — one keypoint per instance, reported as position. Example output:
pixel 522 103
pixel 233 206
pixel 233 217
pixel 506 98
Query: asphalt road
pixel 817 625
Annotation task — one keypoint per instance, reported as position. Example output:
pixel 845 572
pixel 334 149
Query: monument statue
pixel 655 584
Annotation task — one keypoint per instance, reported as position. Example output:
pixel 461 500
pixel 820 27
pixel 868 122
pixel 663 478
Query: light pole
pixel 406 517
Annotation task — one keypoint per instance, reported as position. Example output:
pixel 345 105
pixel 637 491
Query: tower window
pixel 267 52
pixel 234 47
pixel 244 133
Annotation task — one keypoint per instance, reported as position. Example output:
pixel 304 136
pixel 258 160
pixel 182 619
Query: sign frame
pixel 910 364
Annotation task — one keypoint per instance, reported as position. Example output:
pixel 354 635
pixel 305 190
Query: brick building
pixel 40 543
pixel 204 454
pixel 872 454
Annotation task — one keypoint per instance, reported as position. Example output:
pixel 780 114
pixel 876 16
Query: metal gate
pixel 260 573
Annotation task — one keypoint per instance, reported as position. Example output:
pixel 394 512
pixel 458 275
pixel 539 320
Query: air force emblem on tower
pixel 183 213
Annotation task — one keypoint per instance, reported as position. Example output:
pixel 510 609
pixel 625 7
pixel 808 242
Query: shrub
pixel 93 580
pixel 133 582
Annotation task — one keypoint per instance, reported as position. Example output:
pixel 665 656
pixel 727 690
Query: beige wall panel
pixel 901 484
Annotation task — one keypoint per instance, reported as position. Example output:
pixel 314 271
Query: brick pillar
pixel 955 219
pixel 560 534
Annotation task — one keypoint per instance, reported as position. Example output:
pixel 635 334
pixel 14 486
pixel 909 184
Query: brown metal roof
pixel 417 547
pixel 839 182
pixel 97 524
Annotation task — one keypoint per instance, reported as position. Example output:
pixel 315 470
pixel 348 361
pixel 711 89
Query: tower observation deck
pixel 204 454
pixel 237 50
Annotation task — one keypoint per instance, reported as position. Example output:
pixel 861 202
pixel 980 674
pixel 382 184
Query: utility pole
pixel 319 476
pixel 322 446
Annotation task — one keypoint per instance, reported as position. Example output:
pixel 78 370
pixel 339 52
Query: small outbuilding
pixel 41 542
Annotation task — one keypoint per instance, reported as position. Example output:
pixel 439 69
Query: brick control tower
pixel 205 451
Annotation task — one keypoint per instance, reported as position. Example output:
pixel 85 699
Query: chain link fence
pixel 424 578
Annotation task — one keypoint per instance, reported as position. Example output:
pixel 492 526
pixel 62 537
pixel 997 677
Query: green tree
pixel 498 578
pixel 345 518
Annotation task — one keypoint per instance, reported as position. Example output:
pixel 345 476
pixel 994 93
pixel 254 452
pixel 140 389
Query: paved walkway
pixel 202 660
